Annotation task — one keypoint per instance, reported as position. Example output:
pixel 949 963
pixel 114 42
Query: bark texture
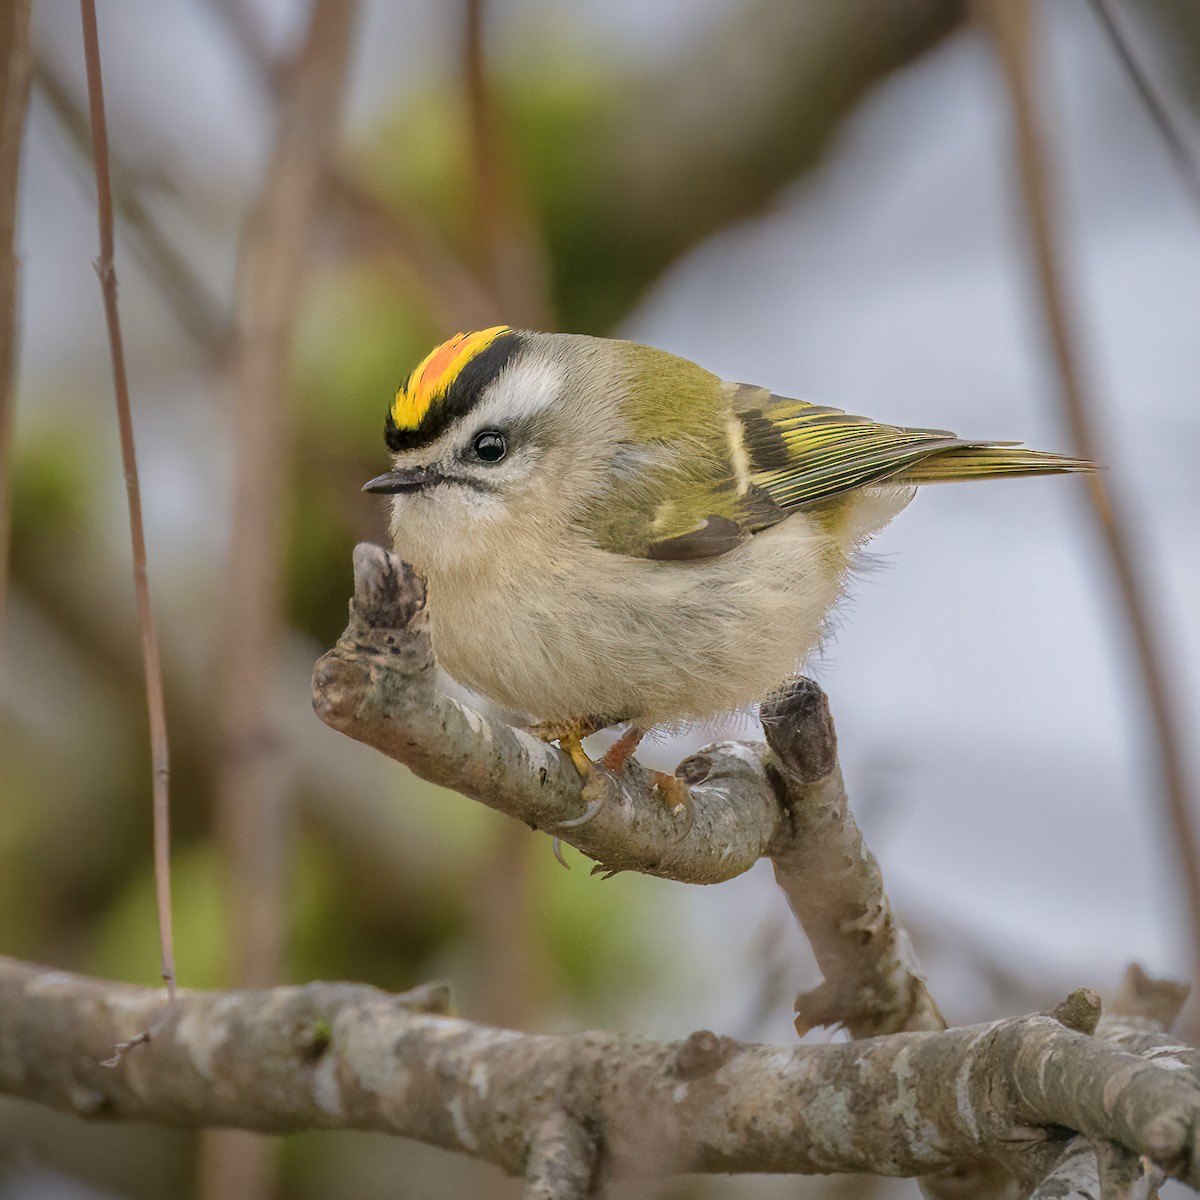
pixel 340 1056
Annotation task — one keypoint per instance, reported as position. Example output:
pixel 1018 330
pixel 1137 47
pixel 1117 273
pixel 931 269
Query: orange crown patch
pixel 432 379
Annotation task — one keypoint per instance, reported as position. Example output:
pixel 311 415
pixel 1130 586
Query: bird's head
pixel 496 435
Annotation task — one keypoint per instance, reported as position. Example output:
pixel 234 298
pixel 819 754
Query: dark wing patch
pixel 717 535
pixel 803 454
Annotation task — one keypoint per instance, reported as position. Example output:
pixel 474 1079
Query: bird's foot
pixel 595 792
pixel 569 735
pixel 675 796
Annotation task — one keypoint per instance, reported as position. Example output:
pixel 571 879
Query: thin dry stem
pixel 1010 23
pixel 1156 104
pixel 155 702
pixel 14 94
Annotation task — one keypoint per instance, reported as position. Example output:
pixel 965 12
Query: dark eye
pixel 489 446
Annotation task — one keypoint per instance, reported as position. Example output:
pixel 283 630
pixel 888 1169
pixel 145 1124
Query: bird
pixel 613 536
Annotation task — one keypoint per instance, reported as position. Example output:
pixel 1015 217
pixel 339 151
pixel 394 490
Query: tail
pixel 988 460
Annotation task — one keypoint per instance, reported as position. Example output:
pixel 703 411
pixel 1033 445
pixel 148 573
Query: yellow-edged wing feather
pixel 802 455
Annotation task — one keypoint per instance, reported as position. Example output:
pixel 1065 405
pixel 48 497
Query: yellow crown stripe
pixel 436 372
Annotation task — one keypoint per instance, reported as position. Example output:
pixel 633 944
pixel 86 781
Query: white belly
pixel 598 635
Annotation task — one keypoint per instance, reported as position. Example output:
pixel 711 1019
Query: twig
pixel 340 1056
pixel 106 269
pixel 1009 21
pixel 562 1160
pixel 14 94
pixel 1180 151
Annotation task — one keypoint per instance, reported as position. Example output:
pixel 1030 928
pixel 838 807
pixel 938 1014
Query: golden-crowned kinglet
pixel 612 535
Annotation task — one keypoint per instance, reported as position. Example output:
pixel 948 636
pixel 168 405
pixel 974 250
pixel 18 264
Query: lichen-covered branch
pixel 872 982
pixel 340 1056
pixel 1140 1013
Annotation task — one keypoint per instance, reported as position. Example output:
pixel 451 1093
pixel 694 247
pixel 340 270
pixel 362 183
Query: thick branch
pixel 1142 1010
pixel 338 1056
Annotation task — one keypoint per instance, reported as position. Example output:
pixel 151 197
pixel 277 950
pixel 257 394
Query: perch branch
pixel 379 687
pixel 784 800
pixel 339 1056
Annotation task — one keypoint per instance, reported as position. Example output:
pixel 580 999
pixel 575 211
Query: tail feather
pixel 989 461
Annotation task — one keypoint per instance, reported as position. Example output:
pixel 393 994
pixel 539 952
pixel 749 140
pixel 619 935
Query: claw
pixel 556 850
pixel 589 813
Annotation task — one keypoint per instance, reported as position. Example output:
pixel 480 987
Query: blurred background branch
pixel 1011 24
pixel 254 778
pixel 1158 106
pixel 198 312
pixel 14 91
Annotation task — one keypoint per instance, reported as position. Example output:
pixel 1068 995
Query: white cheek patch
pixel 523 388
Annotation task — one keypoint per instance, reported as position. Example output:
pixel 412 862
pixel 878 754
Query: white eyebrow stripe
pixel 522 388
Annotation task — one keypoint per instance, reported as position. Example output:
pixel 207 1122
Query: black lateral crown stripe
pixel 462 396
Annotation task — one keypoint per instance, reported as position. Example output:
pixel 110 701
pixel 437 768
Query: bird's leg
pixel 671 788
pixel 621 751
pixel 569 735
